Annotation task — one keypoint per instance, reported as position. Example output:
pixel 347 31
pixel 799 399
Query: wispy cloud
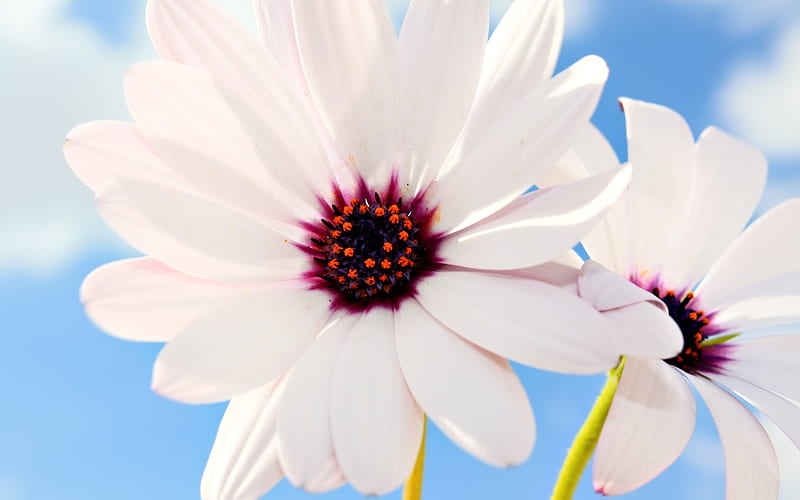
pixel 745 16
pixel 760 98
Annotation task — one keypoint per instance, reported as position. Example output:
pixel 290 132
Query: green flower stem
pixel 586 440
pixel 413 488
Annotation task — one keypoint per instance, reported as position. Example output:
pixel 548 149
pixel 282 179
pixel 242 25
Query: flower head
pixel 676 235
pixel 335 227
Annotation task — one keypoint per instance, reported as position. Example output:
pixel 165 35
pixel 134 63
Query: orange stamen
pixel 347 226
pixel 352 273
pixel 370 281
pixel 387 247
pixel 386 264
pixel 403 235
pixel 394 219
pixel 380 211
pixel 348 210
pixel 369 263
pixel 349 252
pixel 333 264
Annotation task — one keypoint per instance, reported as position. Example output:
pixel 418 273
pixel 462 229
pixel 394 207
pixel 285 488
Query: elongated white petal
pixel 441 52
pixel 526 141
pixel 728 185
pixel 650 421
pixel 606 290
pixel 349 55
pixel 377 425
pixel 244 460
pixel 226 146
pixel 661 150
pixel 770 362
pixel 196 236
pixel 769 248
pixel 100 151
pixel 589 154
pixel 472 395
pixel 144 300
pixel 241 345
pixel 304 416
pixel 521 54
pixel 523 320
pixel 751 466
pixel 537 227
pixel 645 330
pixel 562 272
pixel 775 301
pixel 784 413
pixel 276 27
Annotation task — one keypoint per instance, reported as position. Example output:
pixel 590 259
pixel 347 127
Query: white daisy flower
pixel 332 227
pixel 676 234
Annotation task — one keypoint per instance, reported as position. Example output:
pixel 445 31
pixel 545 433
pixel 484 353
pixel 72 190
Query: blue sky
pixel 80 421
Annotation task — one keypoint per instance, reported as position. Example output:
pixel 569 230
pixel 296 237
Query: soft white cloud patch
pixel 760 98
pixel 746 16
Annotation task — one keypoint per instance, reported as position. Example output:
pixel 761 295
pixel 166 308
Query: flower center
pixel 691 322
pixel 370 251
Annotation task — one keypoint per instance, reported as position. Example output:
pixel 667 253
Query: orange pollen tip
pixel 336 248
pixel 383 277
pixel 347 226
pixel 386 264
pixel 349 252
pixel 690 295
pixel 333 264
pixel 352 273
pixel 692 316
pixel 387 247
pixel 348 210
pixel 363 208
pixel 353 202
pixel 408 224
pixel 670 293
pixel 408 250
pixel 341 280
pixel 338 220
pixel 403 235
pixel 380 211
pixel 704 321
pixel 394 219
pixel 405 262
pixel 336 233
pixel 394 209
pixel 398 274
pixel 370 281
pixel 369 263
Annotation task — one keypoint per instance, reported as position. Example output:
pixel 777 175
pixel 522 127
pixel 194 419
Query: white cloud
pixel 760 99
pixel 745 16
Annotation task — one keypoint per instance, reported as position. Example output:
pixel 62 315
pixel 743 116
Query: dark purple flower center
pixel 369 251
pixel 691 322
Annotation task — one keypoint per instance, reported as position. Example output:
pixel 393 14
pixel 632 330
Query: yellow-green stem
pixel 586 440
pixel 413 488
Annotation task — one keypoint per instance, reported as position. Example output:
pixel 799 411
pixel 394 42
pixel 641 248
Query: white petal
pixel 556 272
pixel 770 247
pixel 784 413
pixel 276 27
pixel 537 227
pixel 589 154
pixel 99 151
pixel 770 362
pixel 751 467
pixel 377 425
pixel 774 301
pixel 508 158
pixel 650 421
pixel 606 290
pixel 441 52
pixel 242 345
pixel 199 34
pixel 304 422
pixel 349 56
pixel 472 395
pixel 661 150
pixel 730 178
pixel 523 320
pixel 645 330
pixel 196 236
pixel 244 460
pixel 520 55
pixel 227 147
pixel 144 300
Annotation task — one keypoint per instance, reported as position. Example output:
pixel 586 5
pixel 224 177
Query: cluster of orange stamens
pixel 369 249
pixel 691 322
